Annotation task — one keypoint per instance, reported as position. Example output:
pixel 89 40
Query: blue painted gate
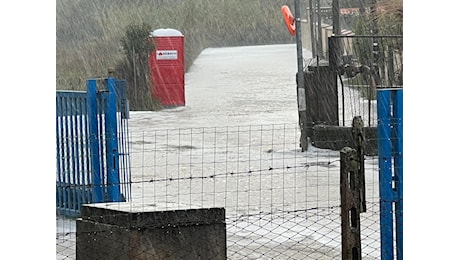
pixel 92 149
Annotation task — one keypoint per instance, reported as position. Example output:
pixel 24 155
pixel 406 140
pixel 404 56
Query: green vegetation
pixel 92 35
pixel 134 68
pixel 386 18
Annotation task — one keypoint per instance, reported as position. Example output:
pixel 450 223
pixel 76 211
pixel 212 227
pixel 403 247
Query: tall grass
pixel 89 32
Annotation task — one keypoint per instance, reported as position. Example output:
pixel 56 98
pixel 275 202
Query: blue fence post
pixel 397 99
pixel 123 144
pixel 98 195
pixel 390 149
pixel 68 170
pixel 385 173
pixel 113 177
pixel 59 153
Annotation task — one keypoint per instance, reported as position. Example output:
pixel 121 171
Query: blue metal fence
pixel 92 149
pixel 390 145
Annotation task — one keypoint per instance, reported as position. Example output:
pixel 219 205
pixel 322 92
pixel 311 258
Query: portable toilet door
pixel 167 70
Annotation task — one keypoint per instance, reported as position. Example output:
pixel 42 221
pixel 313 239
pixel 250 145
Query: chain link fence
pixel 280 203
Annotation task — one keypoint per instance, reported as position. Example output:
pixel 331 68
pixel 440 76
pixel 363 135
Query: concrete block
pixel 111 232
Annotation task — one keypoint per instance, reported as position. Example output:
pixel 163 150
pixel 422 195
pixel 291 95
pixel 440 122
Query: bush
pixel 135 67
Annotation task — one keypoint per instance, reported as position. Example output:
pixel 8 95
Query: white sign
pixel 167 55
pixel 301 99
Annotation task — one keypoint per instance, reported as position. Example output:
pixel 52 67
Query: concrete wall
pixel 180 234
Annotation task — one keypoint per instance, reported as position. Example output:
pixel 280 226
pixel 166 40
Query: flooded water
pixel 235 145
pixel 233 86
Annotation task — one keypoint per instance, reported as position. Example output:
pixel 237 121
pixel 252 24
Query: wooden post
pixel 359 140
pixel 350 204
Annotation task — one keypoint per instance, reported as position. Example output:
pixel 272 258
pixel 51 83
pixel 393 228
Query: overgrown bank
pixel 89 32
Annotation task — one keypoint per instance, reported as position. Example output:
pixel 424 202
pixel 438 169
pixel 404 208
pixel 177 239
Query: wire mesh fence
pixel 280 203
pixel 365 63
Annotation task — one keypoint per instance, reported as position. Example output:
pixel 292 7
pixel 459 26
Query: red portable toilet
pixel 167 67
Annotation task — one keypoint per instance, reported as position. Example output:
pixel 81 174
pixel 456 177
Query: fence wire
pixel 280 203
pixel 365 63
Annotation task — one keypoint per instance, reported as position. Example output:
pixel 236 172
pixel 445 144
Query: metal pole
pixel 336 17
pixel 319 37
pixel 301 98
pixel 336 49
pixel 385 173
pixel 134 77
pixel 312 28
pixel 298 36
pixel 336 30
pixel 59 151
pixel 390 145
pixel 96 179
pixel 397 98
pixel 113 177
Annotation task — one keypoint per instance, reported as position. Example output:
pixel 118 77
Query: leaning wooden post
pixel 350 204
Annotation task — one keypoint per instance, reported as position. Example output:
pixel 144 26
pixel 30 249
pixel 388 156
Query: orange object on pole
pixel 288 19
